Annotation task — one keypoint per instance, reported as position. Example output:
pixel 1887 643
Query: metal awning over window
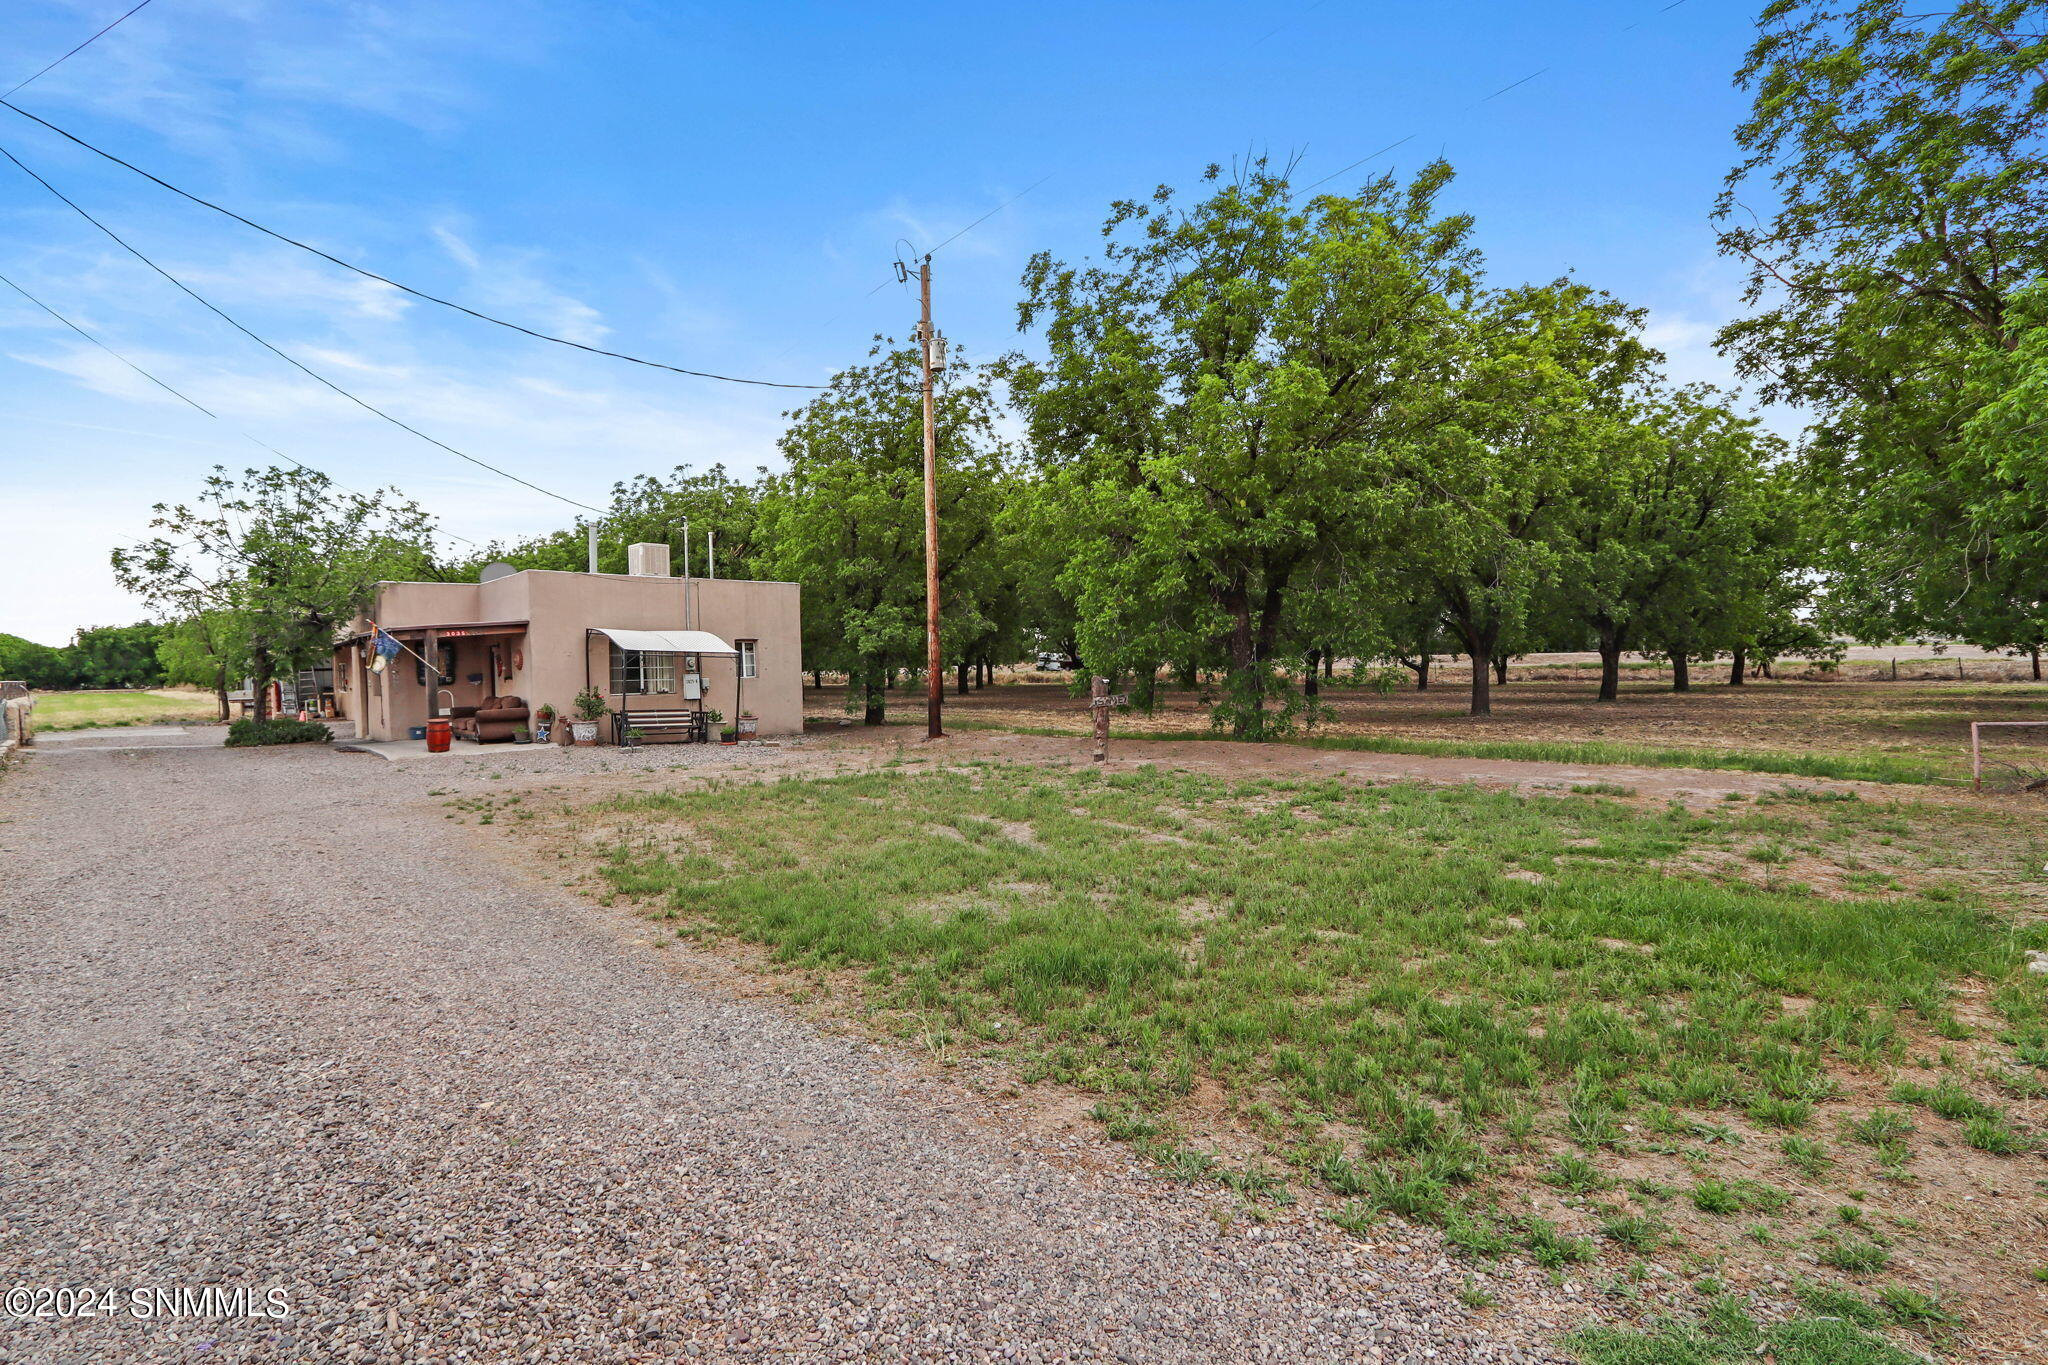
pixel 666 641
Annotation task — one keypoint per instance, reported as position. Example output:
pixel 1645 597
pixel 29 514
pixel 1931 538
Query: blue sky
pixel 721 187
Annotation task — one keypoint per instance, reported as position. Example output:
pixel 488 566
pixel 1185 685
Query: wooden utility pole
pixel 934 670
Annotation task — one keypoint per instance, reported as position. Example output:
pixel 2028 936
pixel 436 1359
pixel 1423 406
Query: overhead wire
pixel 187 398
pixel 72 53
pixel 291 360
pixel 1474 105
pixel 386 280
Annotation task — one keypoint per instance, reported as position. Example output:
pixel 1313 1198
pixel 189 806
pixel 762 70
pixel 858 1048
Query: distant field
pixel 89 710
pixel 1912 731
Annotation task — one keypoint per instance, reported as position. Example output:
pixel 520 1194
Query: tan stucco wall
pixel 560 608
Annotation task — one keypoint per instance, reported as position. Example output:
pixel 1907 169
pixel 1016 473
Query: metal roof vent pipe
pixel 649 559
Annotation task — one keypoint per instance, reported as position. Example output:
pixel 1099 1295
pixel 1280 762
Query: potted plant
pixel 728 735
pixel 522 736
pixel 634 734
pixel 543 722
pixel 590 709
pixel 748 725
pixel 711 717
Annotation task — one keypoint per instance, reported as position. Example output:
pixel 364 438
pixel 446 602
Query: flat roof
pixel 451 629
pixel 579 573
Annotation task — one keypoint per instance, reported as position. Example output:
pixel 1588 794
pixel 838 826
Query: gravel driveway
pixel 270 1020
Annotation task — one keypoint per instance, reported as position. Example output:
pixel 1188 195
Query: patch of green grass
pixel 1870 766
pixel 1995 1134
pixel 1833 1301
pixel 1911 1308
pixel 121 708
pixel 1726 1334
pixel 1856 1255
pixel 1575 1173
pixel 1635 1231
pixel 1809 1156
pixel 1738 1196
pixel 1352 961
pixel 1881 1127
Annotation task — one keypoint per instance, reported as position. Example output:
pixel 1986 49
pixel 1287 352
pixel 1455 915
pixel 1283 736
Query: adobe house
pixel 645 640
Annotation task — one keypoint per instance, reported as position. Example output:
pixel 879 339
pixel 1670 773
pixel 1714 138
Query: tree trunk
pixel 1189 676
pixel 1329 665
pixel 1421 667
pixel 220 692
pixel 817 677
pixel 1479 644
pixel 1739 667
pixel 1765 669
pixel 2035 650
pixel 1243 662
pixel 1681 671
pixel 1500 670
pixel 1314 660
pixel 963 677
pixel 259 670
pixel 1610 662
pixel 874 686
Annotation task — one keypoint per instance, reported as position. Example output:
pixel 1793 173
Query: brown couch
pixel 492 721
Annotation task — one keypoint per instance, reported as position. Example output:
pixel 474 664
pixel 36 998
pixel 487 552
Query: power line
pixel 1674 4
pixel 956 236
pixel 387 280
pixel 187 398
pixel 991 213
pixel 281 355
pixel 1505 88
pixel 72 53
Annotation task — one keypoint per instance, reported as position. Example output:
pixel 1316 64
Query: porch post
pixel 433 658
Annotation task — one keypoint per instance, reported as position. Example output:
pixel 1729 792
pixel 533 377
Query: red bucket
pixel 437 736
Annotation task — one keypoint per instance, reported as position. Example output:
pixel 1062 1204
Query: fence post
pixel 1098 702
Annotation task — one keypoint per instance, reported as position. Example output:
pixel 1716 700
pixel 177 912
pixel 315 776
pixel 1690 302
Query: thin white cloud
pixel 511 284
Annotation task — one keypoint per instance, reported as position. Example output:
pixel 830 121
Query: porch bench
pixel 681 725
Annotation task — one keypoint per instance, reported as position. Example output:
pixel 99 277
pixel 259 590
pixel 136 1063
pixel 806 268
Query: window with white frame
pixel 746 649
pixel 638 672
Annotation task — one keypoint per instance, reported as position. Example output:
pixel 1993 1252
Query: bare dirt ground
pixel 1927 719
pixel 275 1022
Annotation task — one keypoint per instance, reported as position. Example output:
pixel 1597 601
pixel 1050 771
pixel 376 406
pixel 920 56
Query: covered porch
pixel 470 672
pixel 666 685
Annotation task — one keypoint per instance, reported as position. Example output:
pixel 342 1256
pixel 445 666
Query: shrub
pixel 248 732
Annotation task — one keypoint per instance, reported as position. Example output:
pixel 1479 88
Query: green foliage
pixel 1898 282
pixel 199 651
pixel 249 732
pixel 713 505
pixel 97 657
pixel 1228 402
pixel 847 521
pixel 274 562
pixel 42 667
